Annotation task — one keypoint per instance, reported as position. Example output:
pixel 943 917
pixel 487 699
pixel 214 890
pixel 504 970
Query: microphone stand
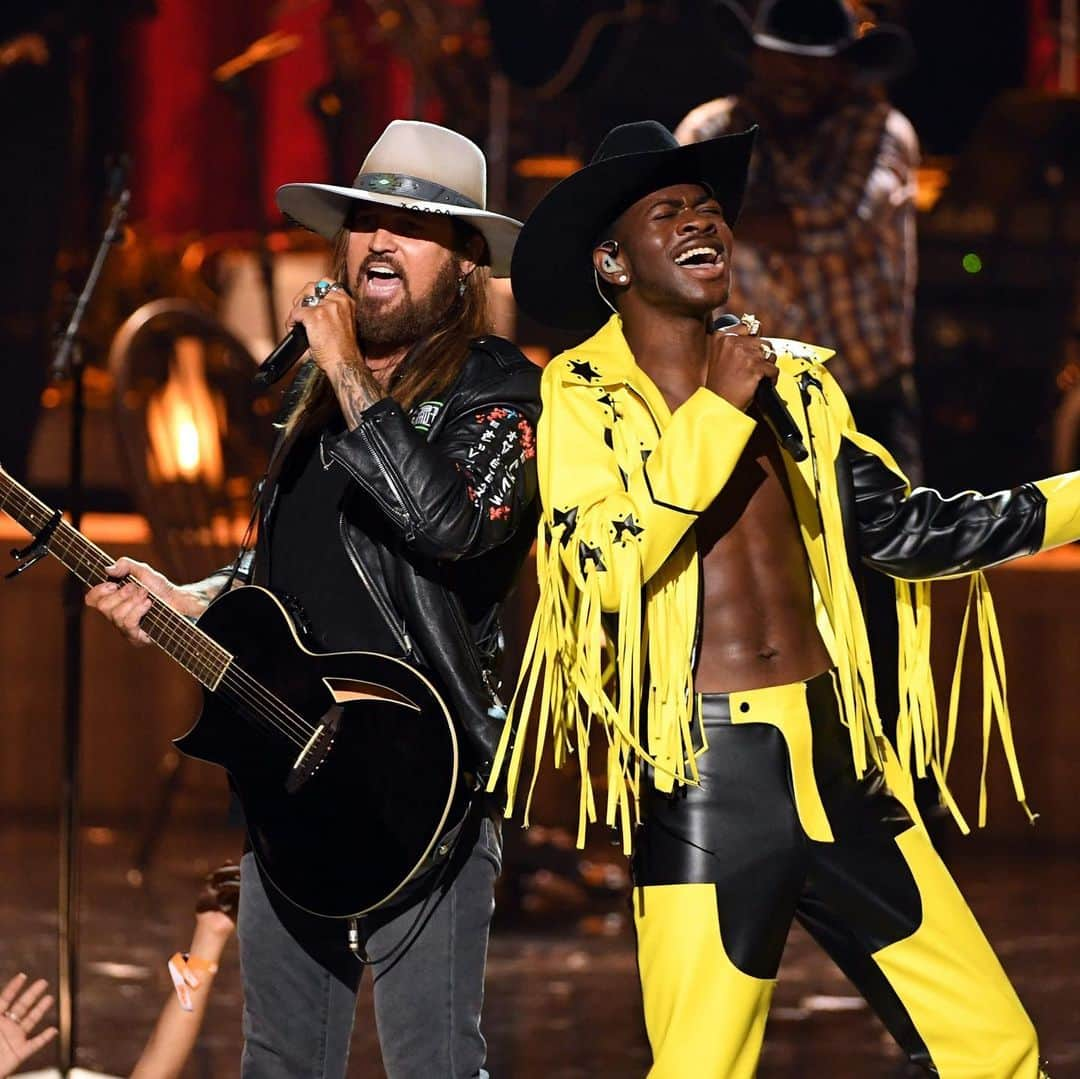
pixel 68 363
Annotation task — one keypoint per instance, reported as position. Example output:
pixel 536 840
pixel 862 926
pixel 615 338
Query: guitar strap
pixel 246 553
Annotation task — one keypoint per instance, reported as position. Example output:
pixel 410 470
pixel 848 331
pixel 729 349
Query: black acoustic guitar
pixel 346 763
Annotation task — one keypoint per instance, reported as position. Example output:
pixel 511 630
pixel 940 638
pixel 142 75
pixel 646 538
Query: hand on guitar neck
pixel 126 600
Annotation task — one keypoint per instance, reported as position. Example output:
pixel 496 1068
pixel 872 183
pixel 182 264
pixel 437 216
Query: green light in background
pixel 972 263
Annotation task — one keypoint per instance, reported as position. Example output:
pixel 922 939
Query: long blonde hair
pixel 432 363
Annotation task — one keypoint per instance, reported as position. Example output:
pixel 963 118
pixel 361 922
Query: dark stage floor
pixel 562 995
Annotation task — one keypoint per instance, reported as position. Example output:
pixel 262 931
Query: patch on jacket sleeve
pixel 423 415
pixel 506 440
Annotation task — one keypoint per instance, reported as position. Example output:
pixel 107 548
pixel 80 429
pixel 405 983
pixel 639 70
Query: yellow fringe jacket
pixel 622 480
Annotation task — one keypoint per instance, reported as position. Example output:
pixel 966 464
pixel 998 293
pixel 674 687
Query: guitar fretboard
pixel 199 654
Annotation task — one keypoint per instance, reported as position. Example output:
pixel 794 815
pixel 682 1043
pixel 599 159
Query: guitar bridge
pixel 315 752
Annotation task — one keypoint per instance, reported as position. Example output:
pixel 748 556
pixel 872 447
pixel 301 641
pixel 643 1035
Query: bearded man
pixel 390 522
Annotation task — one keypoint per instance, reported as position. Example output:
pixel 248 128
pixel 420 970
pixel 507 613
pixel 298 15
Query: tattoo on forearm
pixel 207 590
pixel 356 390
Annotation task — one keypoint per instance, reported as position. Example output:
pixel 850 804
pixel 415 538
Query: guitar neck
pixel 199 654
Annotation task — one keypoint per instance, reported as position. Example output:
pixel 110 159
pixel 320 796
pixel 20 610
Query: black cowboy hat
pixel 822 28
pixel 552 268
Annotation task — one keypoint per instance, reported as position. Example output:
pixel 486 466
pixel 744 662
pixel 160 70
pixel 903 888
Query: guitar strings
pixel 174 629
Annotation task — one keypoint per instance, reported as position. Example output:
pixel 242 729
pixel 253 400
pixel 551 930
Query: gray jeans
pixel 300 979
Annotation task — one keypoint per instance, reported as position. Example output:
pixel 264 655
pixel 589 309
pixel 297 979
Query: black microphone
pixel 293 345
pixel 771 405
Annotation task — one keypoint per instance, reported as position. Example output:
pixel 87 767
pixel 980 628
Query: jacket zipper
pixel 387 474
pixel 392 622
pixel 470 647
pixel 805 379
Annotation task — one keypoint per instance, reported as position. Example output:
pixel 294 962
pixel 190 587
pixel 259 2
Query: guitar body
pixel 346 763
pixel 344 837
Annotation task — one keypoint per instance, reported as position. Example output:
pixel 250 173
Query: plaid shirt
pixel 851 284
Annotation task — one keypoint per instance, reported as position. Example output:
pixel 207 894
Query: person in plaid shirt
pixel 827 238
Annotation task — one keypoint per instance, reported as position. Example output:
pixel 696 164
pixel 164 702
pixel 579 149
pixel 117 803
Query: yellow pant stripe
pixel 952 985
pixel 785 708
pixel 705 1018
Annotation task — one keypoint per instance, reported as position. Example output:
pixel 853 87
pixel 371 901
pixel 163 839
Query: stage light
pixel 972 263
pixel 191 440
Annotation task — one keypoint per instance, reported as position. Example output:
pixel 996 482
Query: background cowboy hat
pixel 821 28
pixel 415 166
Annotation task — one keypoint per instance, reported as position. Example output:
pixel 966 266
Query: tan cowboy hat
pixel 415 166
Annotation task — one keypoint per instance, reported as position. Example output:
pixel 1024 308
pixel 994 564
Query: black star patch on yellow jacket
pixel 591 554
pixel 584 369
pixel 567 518
pixel 626 524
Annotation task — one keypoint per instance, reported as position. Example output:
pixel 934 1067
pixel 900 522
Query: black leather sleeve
pixel 924 534
pixel 465 491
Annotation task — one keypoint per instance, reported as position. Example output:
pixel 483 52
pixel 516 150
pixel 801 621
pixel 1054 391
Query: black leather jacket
pixel 455 482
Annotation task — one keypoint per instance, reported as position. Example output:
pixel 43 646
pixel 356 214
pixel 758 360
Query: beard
pixel 410 319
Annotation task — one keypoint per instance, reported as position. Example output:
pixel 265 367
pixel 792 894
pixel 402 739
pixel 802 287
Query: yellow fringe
pixel 581 667
pixel 573 675
pixel 855 672
pixel 918 735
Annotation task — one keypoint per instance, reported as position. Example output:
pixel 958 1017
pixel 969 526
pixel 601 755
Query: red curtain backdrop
pixel 1042 46
pixel 1044 63
pixel 192 167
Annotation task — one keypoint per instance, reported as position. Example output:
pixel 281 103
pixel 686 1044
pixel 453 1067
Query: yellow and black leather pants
pixel 782 828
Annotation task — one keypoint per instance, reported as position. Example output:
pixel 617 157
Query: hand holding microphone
pixel 322 320
pixel 742 371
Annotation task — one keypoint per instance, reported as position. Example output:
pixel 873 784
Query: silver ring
pixel 10 1014
pixel 337 286
pixel 751 323
pixel 310 301
pixel 768 351
pixel 322 288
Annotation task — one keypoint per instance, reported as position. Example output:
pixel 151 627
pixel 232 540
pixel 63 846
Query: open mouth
pixel 704 256
pixel 381 279
pixel 382 273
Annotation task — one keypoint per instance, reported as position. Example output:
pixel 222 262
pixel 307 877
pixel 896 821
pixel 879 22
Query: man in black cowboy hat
pixel 827 238
pixel 390 521
pixel 699 607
